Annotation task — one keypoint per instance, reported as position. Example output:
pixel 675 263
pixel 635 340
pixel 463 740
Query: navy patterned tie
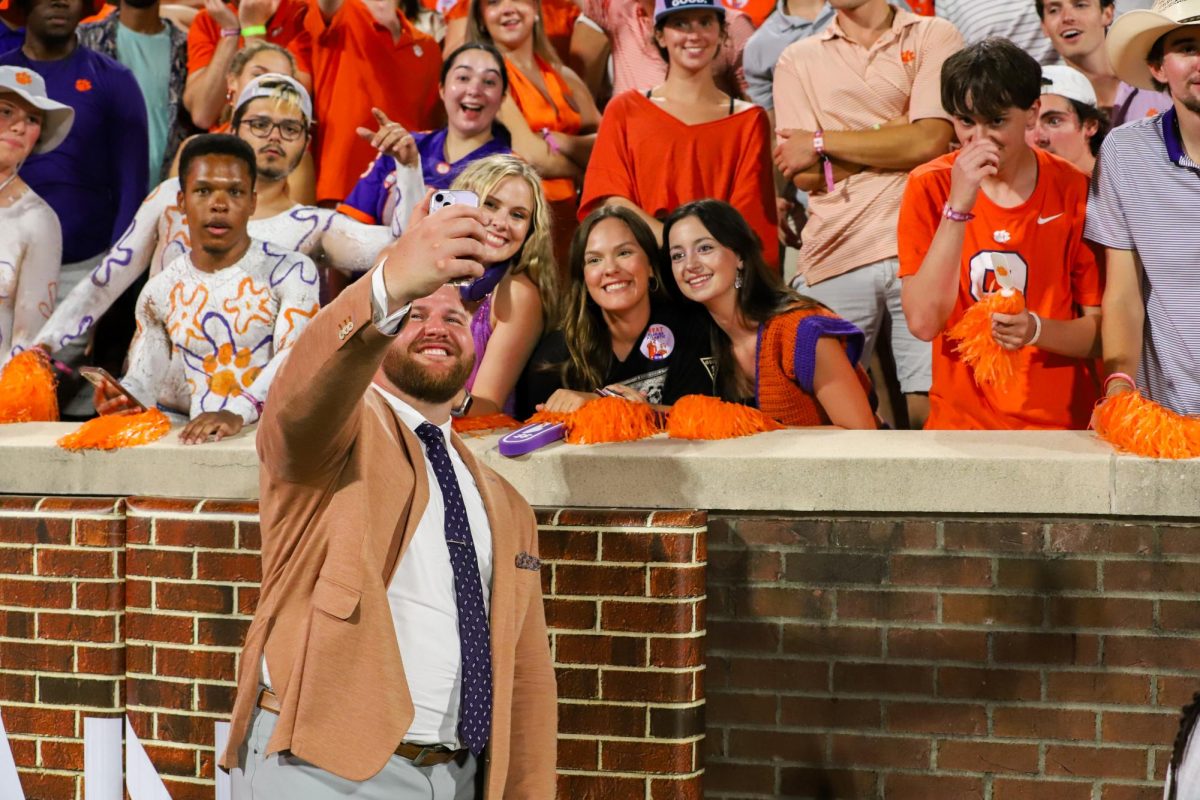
pixel 475 710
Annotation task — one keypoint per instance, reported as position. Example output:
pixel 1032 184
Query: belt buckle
pixel 425 751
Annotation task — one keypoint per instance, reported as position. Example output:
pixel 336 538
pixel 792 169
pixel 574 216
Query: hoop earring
pixel 653 284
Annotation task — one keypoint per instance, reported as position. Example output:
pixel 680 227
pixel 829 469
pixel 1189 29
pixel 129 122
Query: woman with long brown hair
pixel 621 328
pixel 784 353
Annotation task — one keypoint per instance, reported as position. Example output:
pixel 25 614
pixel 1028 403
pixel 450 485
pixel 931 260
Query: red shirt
pixel 282 28
pixel 652 158
pixel 1040 243
pixel 356 65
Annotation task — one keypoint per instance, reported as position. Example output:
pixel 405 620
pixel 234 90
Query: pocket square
pixel 526 561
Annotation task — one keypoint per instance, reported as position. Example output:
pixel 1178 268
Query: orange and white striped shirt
pixel 832 83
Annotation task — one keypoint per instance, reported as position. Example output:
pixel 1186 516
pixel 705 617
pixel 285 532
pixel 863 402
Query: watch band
pixel 464 407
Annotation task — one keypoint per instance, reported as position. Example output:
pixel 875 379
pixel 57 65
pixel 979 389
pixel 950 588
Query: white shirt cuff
pixel 387 324
pixel 244 407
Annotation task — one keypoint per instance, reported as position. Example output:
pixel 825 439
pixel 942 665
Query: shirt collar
pixel 409 415
pixel 902 19
pixel 1174 140
pixel 824 17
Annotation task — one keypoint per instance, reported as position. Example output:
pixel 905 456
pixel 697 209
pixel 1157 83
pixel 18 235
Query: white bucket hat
pixel 29 86
pixel 1135 32
pixel 1068 82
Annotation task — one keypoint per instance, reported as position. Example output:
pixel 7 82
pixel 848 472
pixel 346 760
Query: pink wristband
pixel 819 148
pixel 548 135
pixel 1118 376
pixel 230 32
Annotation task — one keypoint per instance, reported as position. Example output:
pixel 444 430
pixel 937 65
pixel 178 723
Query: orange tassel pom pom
pixel 488 422
pixel 1133 424
pixel 27 390
pixel 700 417
pixel 990 362
pixel 605 419
pixel 611 419
pixel 118 430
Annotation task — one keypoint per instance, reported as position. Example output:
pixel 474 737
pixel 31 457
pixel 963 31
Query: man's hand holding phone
pixel 437 248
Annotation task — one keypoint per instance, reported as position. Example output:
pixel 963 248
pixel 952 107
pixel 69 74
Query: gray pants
pixel 282 776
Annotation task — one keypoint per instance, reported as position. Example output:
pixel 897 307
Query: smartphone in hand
pixel 110 386
pixel 454 197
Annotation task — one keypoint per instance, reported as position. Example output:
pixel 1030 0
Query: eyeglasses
pixel 289 129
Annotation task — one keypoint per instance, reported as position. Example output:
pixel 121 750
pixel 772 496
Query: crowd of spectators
pixel 784 205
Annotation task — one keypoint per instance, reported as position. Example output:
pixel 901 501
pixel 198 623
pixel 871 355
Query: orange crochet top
pixel 787 362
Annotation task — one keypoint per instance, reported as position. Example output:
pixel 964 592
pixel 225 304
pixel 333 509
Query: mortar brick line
pixel 889 625
pixel 607 739
pixel 59 579
pixel 639 529
pixel 110 711
pixel 631 599
pixel 35 514
pixel 180 713
pixel 632 634
pixel 1050 705
pixel 654 706
pixel 658 776
pixel 567 562
pixel 176 646
pixel 74 612
pixel 195 516
pixel 153 676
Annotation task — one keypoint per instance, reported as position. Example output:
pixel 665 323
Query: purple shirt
pixel 96 179
pixel 10 38
pixel 369 196
pixel 1133 104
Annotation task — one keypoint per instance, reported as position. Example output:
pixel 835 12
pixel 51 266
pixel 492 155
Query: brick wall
pixel 62 596
pixel 968 658
pixel 160 592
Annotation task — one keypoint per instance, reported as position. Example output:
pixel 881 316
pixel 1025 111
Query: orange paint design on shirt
pixel 83 85
pixel 251 303
pixel 188 318
pixel 907 57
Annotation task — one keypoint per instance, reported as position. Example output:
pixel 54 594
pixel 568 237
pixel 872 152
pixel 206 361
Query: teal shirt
pixel 148 56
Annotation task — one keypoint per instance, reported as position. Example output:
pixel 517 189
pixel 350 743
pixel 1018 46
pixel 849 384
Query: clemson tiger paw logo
pixel 83 85
pixel 24 78
pixel 908 56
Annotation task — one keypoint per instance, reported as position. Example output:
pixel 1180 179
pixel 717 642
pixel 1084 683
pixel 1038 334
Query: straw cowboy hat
pixel 1135 32
pixel 29 86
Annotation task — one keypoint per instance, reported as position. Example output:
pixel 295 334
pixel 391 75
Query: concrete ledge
pixel 1052 473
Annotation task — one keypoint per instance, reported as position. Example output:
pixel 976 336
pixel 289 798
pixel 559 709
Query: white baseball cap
pixel 262 86
pixel 30 87
pixel 1070 83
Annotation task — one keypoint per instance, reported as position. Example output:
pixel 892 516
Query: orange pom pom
pixel 611 419
pixel 990 362
pixel 700 417
pixel 118 430
pixel 487 422
pixel 27 390
pixel 1133 424
pixel 551 417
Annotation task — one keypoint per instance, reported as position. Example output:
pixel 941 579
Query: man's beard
pixel 423 383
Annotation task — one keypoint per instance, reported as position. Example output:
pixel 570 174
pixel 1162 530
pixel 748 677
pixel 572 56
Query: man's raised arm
pixel 316 399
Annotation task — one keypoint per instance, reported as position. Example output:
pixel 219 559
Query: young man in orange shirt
pixel 1000 214
pixel 364 53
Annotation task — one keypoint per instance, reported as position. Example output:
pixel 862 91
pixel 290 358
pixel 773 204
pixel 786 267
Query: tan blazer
pixel 340 498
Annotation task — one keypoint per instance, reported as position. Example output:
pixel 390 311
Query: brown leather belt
pixel 420 756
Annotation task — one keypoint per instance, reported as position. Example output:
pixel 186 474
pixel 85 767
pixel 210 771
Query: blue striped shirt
pixel 1146 197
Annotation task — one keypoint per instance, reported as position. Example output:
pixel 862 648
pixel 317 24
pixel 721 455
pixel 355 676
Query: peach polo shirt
pixel 829 82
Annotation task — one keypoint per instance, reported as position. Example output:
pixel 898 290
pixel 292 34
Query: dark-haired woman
pixel 785 353
pixel 620 327
pixel 685 139
pixel 473 84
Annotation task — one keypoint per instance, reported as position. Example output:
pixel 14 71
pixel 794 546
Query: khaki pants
pixel 282 776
